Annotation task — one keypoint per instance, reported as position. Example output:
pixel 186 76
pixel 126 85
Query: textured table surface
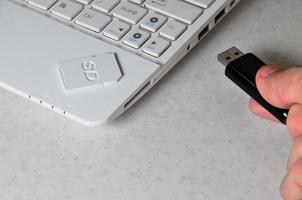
pixel 191 137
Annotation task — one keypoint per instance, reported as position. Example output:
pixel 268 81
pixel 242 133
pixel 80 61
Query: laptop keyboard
pixel 150 26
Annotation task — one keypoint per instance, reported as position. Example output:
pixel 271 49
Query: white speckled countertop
pixel 190 138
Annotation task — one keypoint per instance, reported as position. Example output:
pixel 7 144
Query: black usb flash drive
pixel 242 69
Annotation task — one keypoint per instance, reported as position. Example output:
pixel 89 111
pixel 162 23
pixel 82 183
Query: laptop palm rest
pixel 64 69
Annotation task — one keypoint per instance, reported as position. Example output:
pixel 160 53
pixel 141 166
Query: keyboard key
pixel 172 29
pixel 137 1
pixel 66 9
pixel 152 22
pixel 42 4
pixel 177 9
pixel 156 46
pixel 84 1
pixel 201 3
pixel 129 12
pixel 116 30
pixel 93 20
pixel 136 38
pixel 105 5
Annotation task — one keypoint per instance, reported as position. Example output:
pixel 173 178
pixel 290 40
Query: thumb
pixel 280 87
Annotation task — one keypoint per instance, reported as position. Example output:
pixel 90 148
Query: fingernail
pixel 267 71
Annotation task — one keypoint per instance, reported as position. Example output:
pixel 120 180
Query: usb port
pixel 232 3
pixel 219 16
pixel 203 32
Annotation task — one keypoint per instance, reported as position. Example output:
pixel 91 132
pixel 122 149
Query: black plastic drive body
pixel 242 71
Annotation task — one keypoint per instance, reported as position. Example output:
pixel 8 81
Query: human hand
pixel 283 88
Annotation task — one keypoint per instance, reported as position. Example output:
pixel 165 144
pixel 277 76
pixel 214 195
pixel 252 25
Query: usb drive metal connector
pixel 242 69
pixel 229 55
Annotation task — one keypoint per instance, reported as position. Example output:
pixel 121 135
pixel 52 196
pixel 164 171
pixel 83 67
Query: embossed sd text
pixel 90 70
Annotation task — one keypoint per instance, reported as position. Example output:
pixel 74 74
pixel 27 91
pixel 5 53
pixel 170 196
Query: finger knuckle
pixel 296 172
pixel 285 190
pixel 294 121
pixel 296 84
pixel 298 145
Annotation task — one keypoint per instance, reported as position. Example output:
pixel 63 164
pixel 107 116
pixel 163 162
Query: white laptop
pixel 90 60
